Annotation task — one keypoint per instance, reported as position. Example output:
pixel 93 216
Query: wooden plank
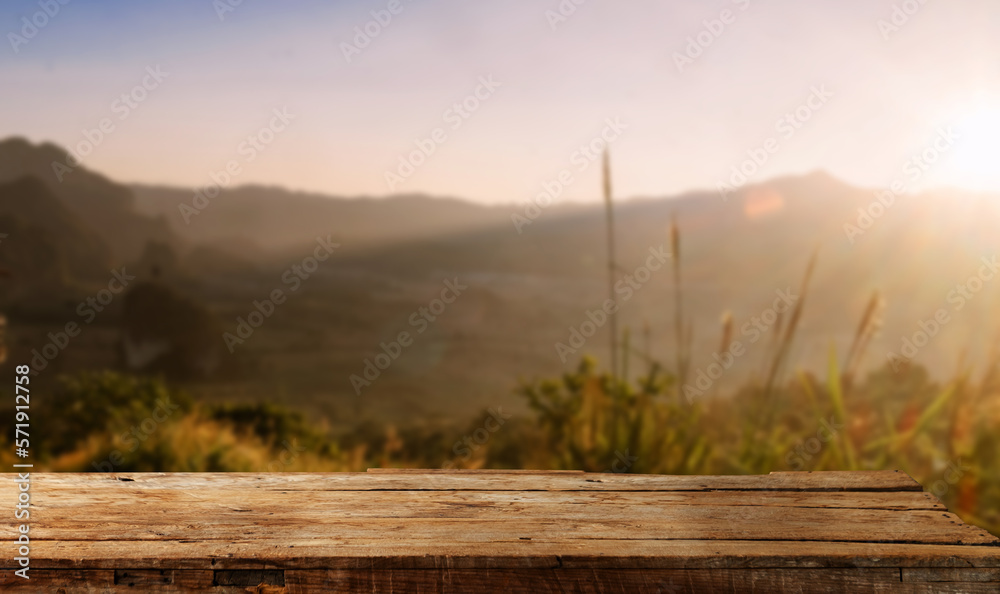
pixel 517 531
pixel 330 553
pixel 955 574
pixel 475 481
pixel 118 512
pixel 162 580
pixel 248 577
pixel 71 581
pixel 425 471
pixel 494 505
pixel 556 581
pixel 136 580
pixel 510 580
pixel 690 523
pixel 405 503
pixel 51 580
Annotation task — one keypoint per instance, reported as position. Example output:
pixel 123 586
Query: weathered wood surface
pixel 516 531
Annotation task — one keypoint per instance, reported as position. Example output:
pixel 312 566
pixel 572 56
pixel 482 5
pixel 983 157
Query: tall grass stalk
pixel 785 346
pixel 683 339
pixel 612 268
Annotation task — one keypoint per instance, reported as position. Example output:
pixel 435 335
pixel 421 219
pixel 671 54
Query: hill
pixel 46 242
pixel 278 219
pixel 103 205
pixel 528 290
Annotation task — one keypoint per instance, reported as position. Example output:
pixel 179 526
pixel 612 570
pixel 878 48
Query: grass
pixel 944 434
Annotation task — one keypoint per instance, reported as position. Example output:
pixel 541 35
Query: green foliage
pixel 590 420
pixel 97 404
pixel 113 422
pixel 947 437
pixel 272 424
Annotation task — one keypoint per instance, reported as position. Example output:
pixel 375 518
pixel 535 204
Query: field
pixel 654 416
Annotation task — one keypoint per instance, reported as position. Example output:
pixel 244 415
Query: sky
pixel 680 115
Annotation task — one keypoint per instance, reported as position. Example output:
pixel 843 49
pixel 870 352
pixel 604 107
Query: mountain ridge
pixel 104 205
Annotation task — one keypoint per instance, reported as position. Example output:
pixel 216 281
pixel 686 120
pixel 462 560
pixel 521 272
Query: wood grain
pixel 450 480
pixel 513 531
pixel 526 581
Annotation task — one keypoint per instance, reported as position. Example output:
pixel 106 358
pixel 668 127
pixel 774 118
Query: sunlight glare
pixel 975 162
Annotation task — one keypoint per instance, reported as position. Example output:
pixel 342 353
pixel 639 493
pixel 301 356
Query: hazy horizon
pixel 355 113
pixel 685 193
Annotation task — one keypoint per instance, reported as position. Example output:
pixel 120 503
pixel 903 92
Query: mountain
pixel 45 241
pixel 527 289
pixel 736 252
pixel 105 206
pixel 277 219
pixel 736 255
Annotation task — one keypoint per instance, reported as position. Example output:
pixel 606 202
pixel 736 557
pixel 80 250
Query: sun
pixel 974 162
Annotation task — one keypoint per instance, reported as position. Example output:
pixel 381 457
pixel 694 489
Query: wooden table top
pixel 444 531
